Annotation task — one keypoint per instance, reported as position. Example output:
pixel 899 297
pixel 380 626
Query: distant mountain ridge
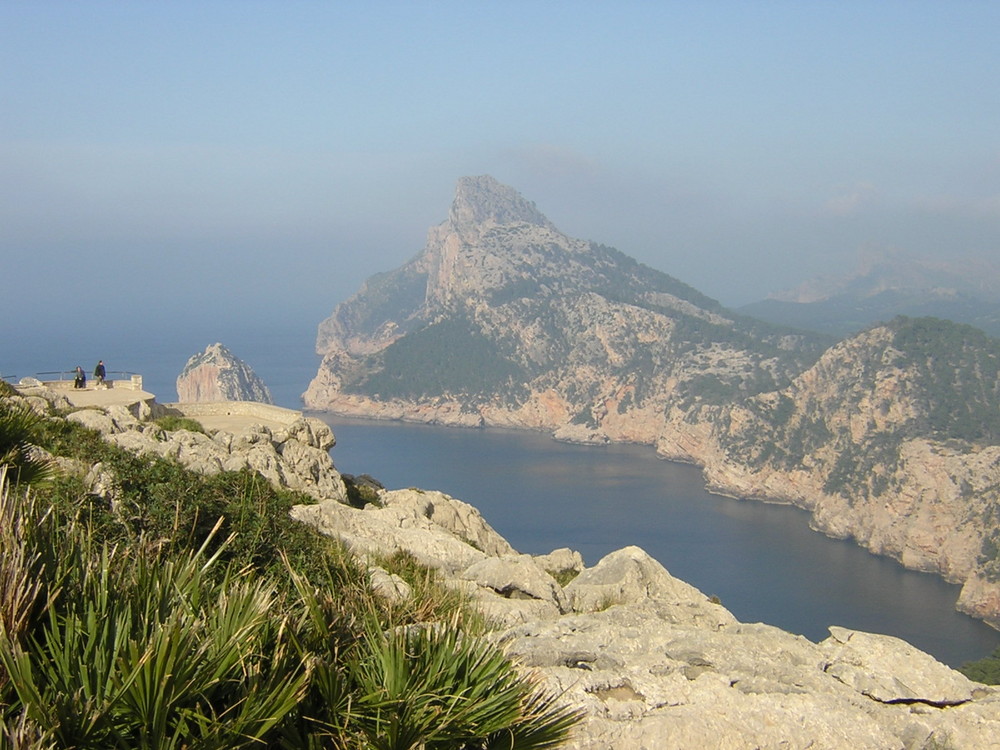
pixel 885 285
pixel 889 437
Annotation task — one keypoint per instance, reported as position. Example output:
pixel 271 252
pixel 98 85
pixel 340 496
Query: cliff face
pixel 217 375
pixel 893 439
pixel 890 437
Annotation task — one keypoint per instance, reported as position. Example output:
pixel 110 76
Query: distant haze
pixel 198 167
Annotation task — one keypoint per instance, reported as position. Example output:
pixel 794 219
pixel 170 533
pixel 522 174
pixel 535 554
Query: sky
pixel 199 166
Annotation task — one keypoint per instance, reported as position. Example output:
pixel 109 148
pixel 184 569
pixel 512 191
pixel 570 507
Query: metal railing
pixel 71 375
pixel 134 379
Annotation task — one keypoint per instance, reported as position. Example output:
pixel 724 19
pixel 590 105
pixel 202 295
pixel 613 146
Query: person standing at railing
pixel 99 373
pixel 80 381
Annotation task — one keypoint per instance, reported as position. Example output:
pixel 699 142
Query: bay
pixel 761 560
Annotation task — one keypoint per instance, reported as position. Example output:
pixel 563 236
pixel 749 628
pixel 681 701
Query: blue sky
pixel 219 162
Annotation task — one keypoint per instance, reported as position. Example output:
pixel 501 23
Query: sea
pixel 762 561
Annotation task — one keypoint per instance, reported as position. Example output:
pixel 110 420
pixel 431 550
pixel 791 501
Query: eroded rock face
pixel 296 457
pixel 436 529
pixel 217 375
pixel 651 662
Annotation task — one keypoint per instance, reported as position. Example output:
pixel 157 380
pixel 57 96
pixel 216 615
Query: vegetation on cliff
pixel 176 610
pixel 924 378
pixel 956 371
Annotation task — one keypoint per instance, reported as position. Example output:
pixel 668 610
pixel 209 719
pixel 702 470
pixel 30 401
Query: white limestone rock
pixel 890 670
pixel 517 577
pixel 309 431
pixel 383 531
pixel 389 585
pixel 644 679
pixel 630 575
pixel 457 517
pixel 93 419
pixel 293 457
pixel 123 418
pixel 561 561
pixel 505 612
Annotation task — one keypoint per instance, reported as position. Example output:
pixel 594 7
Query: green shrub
pixel 189 611
pixel 985 670
pixel 430 600
pixel 362 490
pixel 563 577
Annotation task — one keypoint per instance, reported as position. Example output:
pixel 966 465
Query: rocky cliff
pixel 217 375
pixel 888 437
pixel 649 660
pixel 893 439
pixel 502 319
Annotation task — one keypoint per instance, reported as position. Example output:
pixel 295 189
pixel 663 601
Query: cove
pixel 761 560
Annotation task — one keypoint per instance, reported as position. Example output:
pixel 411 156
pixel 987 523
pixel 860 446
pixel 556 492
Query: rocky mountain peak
pixel 216 374
pixel 483 200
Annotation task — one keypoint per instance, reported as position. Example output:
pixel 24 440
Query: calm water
pixel 761 560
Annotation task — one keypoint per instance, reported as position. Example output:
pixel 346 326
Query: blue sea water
pixel 761 560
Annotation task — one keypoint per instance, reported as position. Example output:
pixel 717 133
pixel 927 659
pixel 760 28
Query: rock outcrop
pixel 296 456
pixel 648 660
pixel 889 437
pixel 651 662
pixel 216 375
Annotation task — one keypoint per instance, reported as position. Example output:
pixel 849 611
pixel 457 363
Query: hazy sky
pixel 233 161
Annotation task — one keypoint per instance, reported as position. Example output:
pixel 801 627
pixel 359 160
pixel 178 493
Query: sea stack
pixel 217 375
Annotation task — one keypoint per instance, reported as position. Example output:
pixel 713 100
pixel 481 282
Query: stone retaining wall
pixel 232 409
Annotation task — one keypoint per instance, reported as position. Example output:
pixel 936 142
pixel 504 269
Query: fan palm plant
pixel 434 688
pixel 421 687
pixel 18 423
pixel 143 652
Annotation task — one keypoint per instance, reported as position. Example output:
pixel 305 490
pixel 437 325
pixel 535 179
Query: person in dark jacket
pixel 99 373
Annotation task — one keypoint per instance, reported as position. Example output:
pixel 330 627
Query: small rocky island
pixel 217 375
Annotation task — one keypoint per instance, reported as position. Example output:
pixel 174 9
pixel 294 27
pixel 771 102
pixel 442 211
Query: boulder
pixel 562 561
pixel 309 469
pixel 517 577
pixel 629 576
pixel 376 531
pixel 455 516
pixel 890 670
pixel 388 585
pixel 93 419
pixel 309 431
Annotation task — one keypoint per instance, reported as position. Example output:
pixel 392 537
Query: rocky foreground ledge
pixel 651 661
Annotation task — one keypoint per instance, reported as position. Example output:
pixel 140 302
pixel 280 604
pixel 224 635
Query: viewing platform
pixel 232 416
pixel 126 390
